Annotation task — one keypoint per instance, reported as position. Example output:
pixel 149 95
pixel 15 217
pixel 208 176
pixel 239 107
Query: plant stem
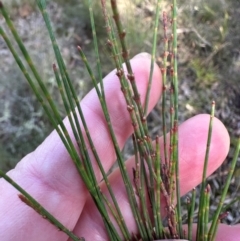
pixel 156 23
pixel 214 225
pixel 200 228
pixel 175 134
pixel 30 201
pixel 190 214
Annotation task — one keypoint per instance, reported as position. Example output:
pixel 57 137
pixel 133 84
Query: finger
pixel 48 173
pixel 228 233
pixel 192 147
pixel 224 232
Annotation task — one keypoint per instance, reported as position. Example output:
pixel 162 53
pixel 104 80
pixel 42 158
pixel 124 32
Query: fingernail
pixel 171 240
pixel 142 55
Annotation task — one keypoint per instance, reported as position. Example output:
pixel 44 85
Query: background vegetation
pixel 209 67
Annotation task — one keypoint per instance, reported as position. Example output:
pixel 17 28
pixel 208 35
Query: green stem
pixel 158 222
pixel 206 218
pixel 200 227
pixel 175 138
pixel 164 88
pixel 190 214
pixel 107 117
pixel 95 41
pixel 214 225
pixel 30 201
pixel 156 23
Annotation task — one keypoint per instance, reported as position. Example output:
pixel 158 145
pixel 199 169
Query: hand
pixel 49 175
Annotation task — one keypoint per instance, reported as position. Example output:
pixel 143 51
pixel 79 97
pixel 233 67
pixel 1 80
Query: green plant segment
pixel 26 198
pixel 155 186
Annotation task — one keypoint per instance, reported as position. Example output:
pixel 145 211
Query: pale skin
pixel 49 175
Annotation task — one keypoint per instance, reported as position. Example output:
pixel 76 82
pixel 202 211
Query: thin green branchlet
pixel 31 202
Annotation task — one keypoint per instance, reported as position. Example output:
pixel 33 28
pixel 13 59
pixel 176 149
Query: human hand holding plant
pixel 50 176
